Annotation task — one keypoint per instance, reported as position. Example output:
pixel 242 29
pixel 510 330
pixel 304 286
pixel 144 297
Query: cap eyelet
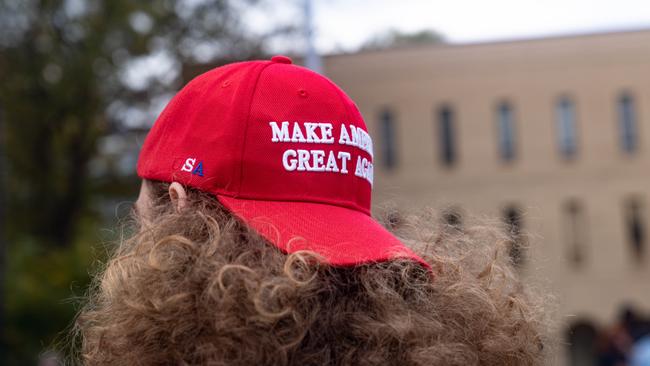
pixel 302 93
pixel 226 84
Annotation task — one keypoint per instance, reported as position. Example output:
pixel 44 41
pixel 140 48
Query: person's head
pixel 254 245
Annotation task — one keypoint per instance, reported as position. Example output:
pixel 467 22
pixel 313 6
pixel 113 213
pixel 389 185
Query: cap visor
pixel 342 236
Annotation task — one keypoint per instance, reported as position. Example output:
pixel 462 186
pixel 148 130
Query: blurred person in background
pixel 615 343
pixel 636 324
pixel 254 245
pixel 625 342
pixel 640 355
pixel 639 330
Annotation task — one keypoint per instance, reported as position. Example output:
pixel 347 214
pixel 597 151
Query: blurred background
pixel 534 113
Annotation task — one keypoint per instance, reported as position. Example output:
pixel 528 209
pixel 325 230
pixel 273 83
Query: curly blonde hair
pixel 200 288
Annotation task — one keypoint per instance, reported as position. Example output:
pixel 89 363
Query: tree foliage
pixel 63 63
pixel 71 73
pixel 394 38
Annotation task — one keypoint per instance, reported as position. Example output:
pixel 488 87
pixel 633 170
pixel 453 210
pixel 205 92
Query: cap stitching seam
pixel 248 118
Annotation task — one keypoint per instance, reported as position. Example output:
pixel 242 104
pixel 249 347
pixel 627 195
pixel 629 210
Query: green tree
pixel 71 73
pixel 395 38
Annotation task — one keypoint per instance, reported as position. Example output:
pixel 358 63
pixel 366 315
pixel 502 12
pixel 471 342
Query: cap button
pixel 281 59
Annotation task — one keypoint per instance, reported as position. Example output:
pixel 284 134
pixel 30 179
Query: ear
pixel 178 196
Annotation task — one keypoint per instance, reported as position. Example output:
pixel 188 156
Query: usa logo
pixel 192 167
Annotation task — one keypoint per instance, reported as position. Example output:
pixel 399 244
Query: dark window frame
pixel 566 120
pixel 506 131
pixel 388 139
pixel 452 218
pixel 513 219
pixel 627 123
pixel 446 127
pixel 576 231
pixel 636 227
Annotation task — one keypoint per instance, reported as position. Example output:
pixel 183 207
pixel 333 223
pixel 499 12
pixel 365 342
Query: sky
pixel 343 25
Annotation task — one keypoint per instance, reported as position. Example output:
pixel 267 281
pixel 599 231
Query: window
pixel 512 218
pixel 387 135
pixel 627 123
pixel 452 219
pixel 582 339
pixel 635 227
pixel 506 132
pixel 446 131
pixel 392 218
pixel 575 228
pixel 566 127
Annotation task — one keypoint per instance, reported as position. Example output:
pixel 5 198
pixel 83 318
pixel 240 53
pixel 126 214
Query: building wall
pixel 531 75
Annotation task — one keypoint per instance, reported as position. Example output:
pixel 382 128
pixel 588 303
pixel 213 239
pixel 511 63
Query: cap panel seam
pixel 245 134
pixel 173 104
pixel 342 98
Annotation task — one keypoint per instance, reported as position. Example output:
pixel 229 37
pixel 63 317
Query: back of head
pixel 255 246
pixel 198 287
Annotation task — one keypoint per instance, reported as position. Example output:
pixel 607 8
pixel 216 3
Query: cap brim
pixel 342 236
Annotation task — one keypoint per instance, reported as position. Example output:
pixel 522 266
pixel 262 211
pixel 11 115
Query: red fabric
pixel 216 135
pixel 342 236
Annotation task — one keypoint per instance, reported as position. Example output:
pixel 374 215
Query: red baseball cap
pixel 284 149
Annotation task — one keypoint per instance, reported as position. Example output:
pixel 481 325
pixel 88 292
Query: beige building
pixel 551 134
